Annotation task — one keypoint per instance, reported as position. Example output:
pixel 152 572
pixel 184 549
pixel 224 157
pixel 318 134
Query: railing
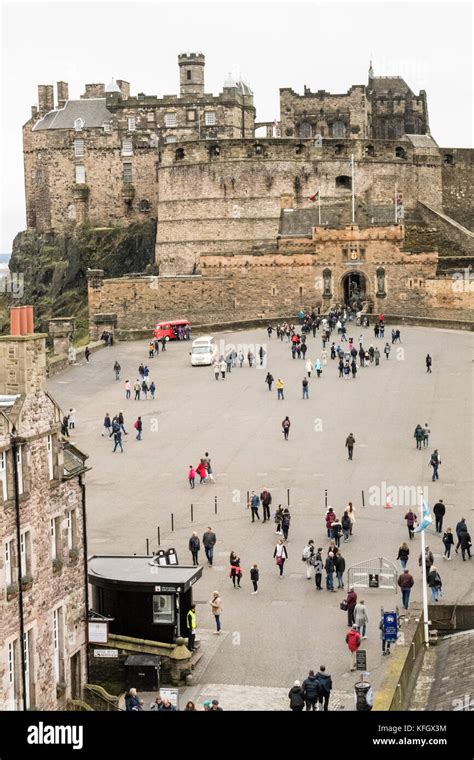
pixel 373 573
pixel 101 700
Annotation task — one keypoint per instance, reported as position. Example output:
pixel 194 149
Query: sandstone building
pixel 196 166
pixel 43 606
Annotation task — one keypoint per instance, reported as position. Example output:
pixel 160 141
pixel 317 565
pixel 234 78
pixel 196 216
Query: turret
pixel 191 74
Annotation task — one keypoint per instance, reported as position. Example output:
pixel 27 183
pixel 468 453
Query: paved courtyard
pixel 276 636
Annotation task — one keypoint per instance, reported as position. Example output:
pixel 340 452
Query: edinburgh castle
pixel 187 205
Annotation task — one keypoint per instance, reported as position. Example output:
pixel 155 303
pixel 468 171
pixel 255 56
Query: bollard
pixel 215 505
pixel 158 531
pixel 192 512
pixel 288 496
pixel 325 497
pixel 148 547
pixel 248 499
pixel 363 499
pixel 172 522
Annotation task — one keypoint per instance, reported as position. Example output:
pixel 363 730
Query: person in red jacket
pixel 202 472
pixel 353 640
pixel 330 516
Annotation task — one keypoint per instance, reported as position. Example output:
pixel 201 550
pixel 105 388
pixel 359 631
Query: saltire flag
pixel 426 519
pixel 314 197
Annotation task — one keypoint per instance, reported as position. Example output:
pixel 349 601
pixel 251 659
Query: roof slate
pixel 92 110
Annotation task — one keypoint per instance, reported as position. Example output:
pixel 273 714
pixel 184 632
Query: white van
pixel 204 351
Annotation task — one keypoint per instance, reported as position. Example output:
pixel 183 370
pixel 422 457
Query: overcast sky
pixel 272 45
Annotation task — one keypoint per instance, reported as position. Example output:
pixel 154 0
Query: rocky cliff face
pixel 54 266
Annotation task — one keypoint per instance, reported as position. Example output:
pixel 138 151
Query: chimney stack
pixel 22 355
pixel 62 89
pixel 45 98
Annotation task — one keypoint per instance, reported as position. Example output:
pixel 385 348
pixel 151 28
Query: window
pixel 107 126
pixel 55 532
pixel 131 123
pixel 71 516
pixel 79 148
pixel 171 139
pixel 9 562
pixel 14 682
pixel 399 152
pixel 58 643
pixel 339 150
pixel 163 610
pixel 144 205
pixel 214 151
pixel 327 286
pixel 80 175
pixel 25 553
pixel 50 457
pixel 343 182
pixel 210 118
pixel 127 174
pixel 448 159
pixel 79 125
pixel 29 666
pixel 305 129
pixel 191 115
pixel 179 154
pixel 171 120
pixel 189 74
pixel 3 474
pixel 127 146
pixel 369 151
pixel 338 129
pixel 19 464
pixel 150 117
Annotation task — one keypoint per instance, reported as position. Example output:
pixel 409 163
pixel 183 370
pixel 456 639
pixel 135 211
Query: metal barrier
pixel 373 573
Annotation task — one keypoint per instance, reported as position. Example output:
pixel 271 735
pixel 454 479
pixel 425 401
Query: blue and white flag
pixel 426 519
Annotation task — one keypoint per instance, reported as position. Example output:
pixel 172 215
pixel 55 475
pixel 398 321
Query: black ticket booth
pixel 144 598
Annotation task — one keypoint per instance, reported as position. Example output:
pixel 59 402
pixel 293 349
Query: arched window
pixel 338 129
pixel 448 159
pixel 369 151
pixel 79 124
pixel 380 282
pixel 214 151
pixel 327 283
pixel 144 205
pixel 258 149
pixel 179 154
pixel 305 130
pixel 339 150
pixel 400 152
pixel 343 182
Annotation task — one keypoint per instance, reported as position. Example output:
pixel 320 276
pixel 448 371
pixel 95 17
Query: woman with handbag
pixel 280 555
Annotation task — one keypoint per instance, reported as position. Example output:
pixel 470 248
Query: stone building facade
pixel 43 598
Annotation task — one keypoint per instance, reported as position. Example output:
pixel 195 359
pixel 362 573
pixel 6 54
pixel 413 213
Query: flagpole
pixel 426 635
pixel 319 207
pixel 353 189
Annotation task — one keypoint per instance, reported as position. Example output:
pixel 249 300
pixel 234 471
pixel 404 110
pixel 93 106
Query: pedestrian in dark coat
pixel 466 544
pixel 448 541
pixel 439 511
pixel 296 697
pixel 310 688
pixel 351 601
pixel 194 547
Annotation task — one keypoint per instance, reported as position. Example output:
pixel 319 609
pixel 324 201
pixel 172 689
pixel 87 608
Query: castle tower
pixel 191 74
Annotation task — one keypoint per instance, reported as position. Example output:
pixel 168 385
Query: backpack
pixel 286 424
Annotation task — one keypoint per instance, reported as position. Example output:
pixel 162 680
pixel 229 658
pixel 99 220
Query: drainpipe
pixel 86 582
pixel 14 448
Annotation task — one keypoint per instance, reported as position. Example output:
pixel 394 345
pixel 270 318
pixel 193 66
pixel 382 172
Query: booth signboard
pixel 373 580
pixel 361 659
pixel 98 632
pixel 161 557
pixel 107 653
pixel 171 557
pixel 172 695
pixel 390 626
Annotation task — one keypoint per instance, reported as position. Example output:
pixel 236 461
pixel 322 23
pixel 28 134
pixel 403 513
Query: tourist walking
pixel 351 512
pixel 310 688
pixel 285 425
pixel 269 380
pixel 308 367
pixel 350 441
pixel 194 547
pixel 128 389
pixel 405 582
pixel 137 386
pixel 460 528
pixel 307 555
pixel 235 572
pixel 353 640
pixel 280 555
pixel 280 390
pixel 346 524
pixel 387 350
pixel 465 544
pixel 435 461
pixel 435 583
pixel 340 566
pixel 278 519
pixel 216 608
pixel 202 472
pixel 426 435
pixel 429 560
pixel 418 435
pixel 361 618
pixel 439 511
pixel 337 532
pixel 285 523
pixel 72 419
pixel 383 637
pixel 296 697
pixel 428 362
pixel 209 541
pixel 266 500
pixel 330 567
pixel 411 519
pixel 117 369
pixel 351 601
pixel 448 541
pixel 87 353
pixel 254 577
pixel 403 554
pixel 107 425
pixel 254 505
pixel 138 427
pixel 325 688
pixel 317 562
pixel 329 518
pixel 305 387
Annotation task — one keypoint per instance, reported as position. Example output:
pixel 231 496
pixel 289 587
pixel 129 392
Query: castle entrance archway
pixel 354 288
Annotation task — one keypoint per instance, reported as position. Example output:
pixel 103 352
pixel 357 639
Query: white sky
pixel 323 45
